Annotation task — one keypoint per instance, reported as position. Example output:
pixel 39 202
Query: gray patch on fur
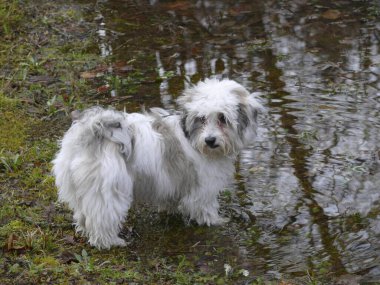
pixel 196 126
pixel 143 184
pixel 179 167
pixel 115 125
pixel 193 126
pixel 183 125
pixel 255 114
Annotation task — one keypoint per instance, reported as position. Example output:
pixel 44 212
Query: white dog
pixel 177 162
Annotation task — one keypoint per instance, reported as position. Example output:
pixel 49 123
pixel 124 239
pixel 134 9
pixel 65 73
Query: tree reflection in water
pixel 312 178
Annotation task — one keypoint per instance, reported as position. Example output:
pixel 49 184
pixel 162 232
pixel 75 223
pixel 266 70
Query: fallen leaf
pixel 244 272
pixel 89 74
pixel 67 257
pixel 42 79
pixel 11 239
pixel 69 239
pixel 331 14
pixel 256 169
pixel 228 269
pixel 11 244
pixel 121 66
pixel 327 107
pixel 49 212
pixel 178 5
pixel 103 89
pixel 285 283
pixel 239 10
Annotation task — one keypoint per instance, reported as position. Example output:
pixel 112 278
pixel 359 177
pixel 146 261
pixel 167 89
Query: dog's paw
pixel 108 243
pixel 211 220
pixel 120 242
pixel 220 221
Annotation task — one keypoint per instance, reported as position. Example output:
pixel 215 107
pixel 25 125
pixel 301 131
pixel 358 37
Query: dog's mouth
pixel 213 146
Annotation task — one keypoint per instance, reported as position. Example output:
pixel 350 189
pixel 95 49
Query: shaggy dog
pixel 177 162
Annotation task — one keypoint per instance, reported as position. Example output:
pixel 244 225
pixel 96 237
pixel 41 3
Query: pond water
pixel 306 199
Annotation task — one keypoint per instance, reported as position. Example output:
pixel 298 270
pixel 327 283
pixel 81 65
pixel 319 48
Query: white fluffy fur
pixel 108 159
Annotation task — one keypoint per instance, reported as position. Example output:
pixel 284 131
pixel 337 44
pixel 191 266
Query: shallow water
pixel 306 197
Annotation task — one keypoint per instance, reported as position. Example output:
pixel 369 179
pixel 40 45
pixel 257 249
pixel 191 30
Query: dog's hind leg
pixel 104 193
pixel 92 177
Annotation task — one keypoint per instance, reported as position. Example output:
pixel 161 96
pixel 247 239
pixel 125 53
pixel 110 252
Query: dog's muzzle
pixel 210 141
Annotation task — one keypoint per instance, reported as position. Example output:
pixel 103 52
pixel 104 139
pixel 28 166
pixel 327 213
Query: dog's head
pixel 219 117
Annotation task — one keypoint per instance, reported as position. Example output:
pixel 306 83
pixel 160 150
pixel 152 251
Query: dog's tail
pixel 91 174
pixel 99 126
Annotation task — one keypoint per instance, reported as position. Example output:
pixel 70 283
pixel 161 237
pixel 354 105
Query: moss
pixel 48 261
pixel 13 125
pixel 12 226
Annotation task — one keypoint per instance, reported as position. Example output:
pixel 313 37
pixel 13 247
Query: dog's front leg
pixel 202 208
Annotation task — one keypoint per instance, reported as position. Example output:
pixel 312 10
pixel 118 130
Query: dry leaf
pixel 103 89
pixel 67 257
pixel 88 75
pixel 121 66
pixel 11 244
pixel 331 14
pixel 12 237
pixel 69 239
pixel 178 5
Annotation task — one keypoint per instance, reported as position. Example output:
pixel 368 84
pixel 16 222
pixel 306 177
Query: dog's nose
pixel 210 141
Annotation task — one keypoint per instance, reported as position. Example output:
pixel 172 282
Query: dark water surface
pixel 306 200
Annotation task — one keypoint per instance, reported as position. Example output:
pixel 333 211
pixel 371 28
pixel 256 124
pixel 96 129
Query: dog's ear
pixel 182 101
pixel 247 120
pixel 247 113
pixel 249 107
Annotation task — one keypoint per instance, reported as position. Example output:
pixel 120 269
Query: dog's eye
pixel 202 119
pixel 222 119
